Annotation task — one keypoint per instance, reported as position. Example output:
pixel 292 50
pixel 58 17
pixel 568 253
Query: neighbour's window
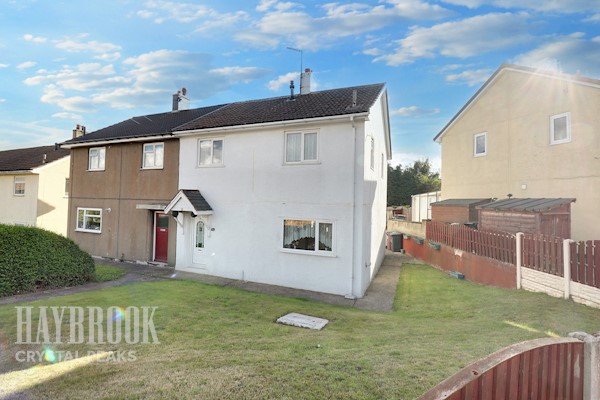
pixel 480 144
pixel 67 186
pixel 19 189
pixel 372 154
pixel 89 220
pixel 210 152
pixel 200 235
pixel 308 235
pixel 300 147
pixel 560 128
pixel 153 155
pixel 96 158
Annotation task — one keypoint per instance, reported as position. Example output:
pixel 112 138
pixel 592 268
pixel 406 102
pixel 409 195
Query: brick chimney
pixel 305 81
pixel 79 131
pixel 180 101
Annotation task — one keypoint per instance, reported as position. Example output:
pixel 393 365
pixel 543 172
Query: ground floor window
pixel 308 235
pixel 89 220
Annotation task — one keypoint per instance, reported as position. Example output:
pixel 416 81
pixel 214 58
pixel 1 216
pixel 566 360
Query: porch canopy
pixel 189 201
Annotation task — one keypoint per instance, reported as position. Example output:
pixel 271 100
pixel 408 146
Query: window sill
pixel 329 254
pixel 560 142
pixel 19 195
pixel 87 231
pixel 151 168
pixel 211 166
pixel 95 170
pixel 317 162
pixel 480 155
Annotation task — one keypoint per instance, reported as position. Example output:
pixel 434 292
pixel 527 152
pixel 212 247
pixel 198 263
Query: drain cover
pixel 303 321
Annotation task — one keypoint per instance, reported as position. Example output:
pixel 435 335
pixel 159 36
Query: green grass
pixel 222 343
pixel 106 273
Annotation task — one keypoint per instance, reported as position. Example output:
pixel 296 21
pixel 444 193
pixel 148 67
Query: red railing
pixel 549 369
pixel 500 246
pixel 585 262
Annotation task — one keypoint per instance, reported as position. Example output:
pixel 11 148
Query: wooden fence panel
pixel 548 369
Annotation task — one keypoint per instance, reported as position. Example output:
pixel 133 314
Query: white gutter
pixel 269 124
pixel 124 140
pixel 19 172
pixel 351 295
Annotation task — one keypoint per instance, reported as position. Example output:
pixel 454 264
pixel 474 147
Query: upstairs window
pixel 97 157
pixel 153 155
pixel 480 144
pixel 300 147
pixel 67 186
pixel 19 186
pixel 373 154
pixel 560 128
pixel 210 152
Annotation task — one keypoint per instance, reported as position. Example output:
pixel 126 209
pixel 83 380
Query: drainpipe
pixel 350 294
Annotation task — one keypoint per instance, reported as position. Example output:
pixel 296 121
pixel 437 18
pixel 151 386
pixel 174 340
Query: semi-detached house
pixel 288 191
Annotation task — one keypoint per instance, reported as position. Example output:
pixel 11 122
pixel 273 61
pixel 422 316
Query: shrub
pixel 33 258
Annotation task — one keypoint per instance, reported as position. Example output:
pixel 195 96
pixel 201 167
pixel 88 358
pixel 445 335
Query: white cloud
pixel 108 57
pixel 82 77
pixel 288 23
pixel 593 18
pixel 30 134
pixel 465 38
pixel 26 64
pixel 470 77
pixel 2 100
pixel 93 46
pixel 282 80
pixel 161 11
pixel 572 53
pixel 560 6
pixel 67 115
pixel 34 39
pixel 234 75
pixel 414 111
pixel 3 65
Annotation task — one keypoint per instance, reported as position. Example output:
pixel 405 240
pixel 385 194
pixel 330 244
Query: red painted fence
pixel 500 246
pixel 548 369
pixel 539 252
pixel 585 262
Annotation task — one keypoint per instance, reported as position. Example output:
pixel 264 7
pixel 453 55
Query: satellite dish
pixel 183 91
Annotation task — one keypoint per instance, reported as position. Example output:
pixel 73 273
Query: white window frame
pixel 475 154
pixel 153 147
pixel 566 115
pixel 97 167
pixel 316 251
pixel 85 209
pixel 302 135
pixel 212 149
pixel 19 180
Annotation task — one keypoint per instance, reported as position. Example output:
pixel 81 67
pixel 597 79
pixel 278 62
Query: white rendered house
pixel 288 191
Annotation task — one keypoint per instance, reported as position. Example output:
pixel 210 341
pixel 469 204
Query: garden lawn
pixel 223 343
pixel 106 273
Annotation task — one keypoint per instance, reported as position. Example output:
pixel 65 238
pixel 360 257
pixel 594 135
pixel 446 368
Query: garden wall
pixel 475 268
pixel 411 228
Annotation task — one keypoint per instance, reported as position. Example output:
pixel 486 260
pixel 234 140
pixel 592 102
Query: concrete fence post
pixel 591 364
pixel 519 247
pixel 567 267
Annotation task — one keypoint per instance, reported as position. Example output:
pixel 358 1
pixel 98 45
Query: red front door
pixel 161 237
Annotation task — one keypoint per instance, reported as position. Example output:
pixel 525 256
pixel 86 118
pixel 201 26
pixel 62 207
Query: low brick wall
pixel 478 269
pixel 411 228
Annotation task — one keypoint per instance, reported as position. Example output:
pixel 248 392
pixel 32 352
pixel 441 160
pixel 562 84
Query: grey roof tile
pixel 29 158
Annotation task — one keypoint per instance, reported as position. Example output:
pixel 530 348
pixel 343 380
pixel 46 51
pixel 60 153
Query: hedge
pixel 32 258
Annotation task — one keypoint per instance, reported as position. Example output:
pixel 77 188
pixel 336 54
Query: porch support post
pixel 519 239
pixel 567 267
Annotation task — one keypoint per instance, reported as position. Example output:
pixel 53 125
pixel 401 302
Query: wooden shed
pixel 545 216
pixel 457 210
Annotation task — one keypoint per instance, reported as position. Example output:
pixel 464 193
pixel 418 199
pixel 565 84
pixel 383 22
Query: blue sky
pixel 64 63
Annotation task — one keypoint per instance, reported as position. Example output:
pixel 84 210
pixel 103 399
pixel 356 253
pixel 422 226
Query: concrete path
pixel 379 296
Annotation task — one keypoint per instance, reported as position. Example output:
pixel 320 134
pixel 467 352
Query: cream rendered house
pixel 529 133
pixel 34 187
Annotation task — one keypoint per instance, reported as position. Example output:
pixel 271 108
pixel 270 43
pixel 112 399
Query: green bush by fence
pixel 32 258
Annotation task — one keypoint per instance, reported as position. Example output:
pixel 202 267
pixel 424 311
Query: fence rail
pixel 539 369
pixel 538 252
pixel 500 246
pixel 585 262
